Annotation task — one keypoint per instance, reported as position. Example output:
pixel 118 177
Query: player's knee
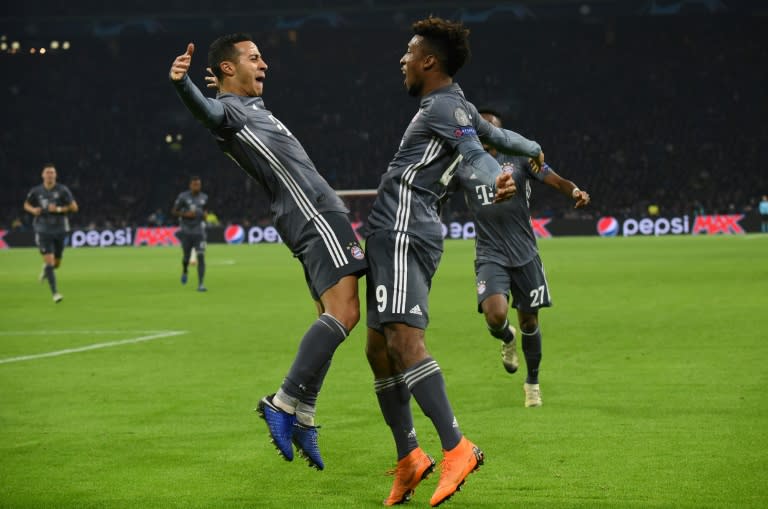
pixel 376 351
pixel 347 312
pixel 405 349
pixel 351 315
pixel 495 316
pixel 529 323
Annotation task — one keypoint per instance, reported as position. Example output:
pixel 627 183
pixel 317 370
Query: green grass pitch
pixel 654 381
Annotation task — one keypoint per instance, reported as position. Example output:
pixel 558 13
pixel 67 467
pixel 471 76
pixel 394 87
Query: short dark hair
pixel 223 49
pixel 490 111
pixel 448 39
pixel 49 165
pixel 193 178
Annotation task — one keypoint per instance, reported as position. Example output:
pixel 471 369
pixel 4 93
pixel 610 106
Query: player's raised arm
pixel 487 170
pixel 506 141
pixel 566 187
pixel 208 111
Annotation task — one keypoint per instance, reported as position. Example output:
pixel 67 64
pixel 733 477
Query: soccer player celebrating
pixel 507 258
pixel 51 203
pixel 191 208
pixel 405 245
pixel 311 219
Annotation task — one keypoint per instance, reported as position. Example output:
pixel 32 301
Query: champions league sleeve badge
pixel 461 116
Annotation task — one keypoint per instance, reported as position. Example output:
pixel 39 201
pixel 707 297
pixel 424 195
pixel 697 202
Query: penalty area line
pixel 95 346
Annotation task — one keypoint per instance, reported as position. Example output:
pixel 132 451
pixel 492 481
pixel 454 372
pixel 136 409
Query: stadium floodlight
pixel 65 45
pixel 32 51
pixel 3 46
pixel 168 138
pixel 42 51
pixel 15 45
pixel 54 44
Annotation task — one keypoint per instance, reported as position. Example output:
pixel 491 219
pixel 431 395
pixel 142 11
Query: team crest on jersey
pixel 461 116
pixel 355 251
pixel 481 287
pixel 508 167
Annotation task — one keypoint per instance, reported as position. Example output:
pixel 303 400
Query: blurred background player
pixel 51 203
pixel 507 258
pixel 191 208
pixel 763 208
pixel 309 216
pixel 405 246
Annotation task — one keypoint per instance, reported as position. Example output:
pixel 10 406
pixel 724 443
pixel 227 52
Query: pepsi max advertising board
pixel 543 228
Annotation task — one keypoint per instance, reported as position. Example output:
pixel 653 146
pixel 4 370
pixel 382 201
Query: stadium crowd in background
pixel 641 110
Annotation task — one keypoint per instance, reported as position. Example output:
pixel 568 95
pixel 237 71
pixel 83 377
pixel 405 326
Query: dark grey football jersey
pixel 189 202
pixel 504 232
pixel 50 222
pixel 265 148
pixel 445 130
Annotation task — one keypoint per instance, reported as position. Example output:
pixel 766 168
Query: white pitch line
pixel 221 262
pixel 94 346
pixel 53 332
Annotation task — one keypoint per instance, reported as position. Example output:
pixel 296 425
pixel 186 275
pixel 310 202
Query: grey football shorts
pixel 192 240
pixel 51 243
pixel 400 271
pixel 527 284
pixel 328 250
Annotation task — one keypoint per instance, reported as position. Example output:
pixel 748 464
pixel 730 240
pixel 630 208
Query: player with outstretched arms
pixel 51 203
pixel 507 258
pixel 405 245
pixel 311 219
pixel 191 207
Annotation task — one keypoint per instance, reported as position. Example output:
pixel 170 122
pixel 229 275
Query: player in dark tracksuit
pixel 191 207
pixel 507 257
pixel 405 245
pixel 311 219
pixel 51 203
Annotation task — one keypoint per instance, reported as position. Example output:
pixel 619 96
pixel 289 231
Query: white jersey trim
pixel 403 216
pixel 299 196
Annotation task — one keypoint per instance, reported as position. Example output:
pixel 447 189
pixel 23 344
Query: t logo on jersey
pixel 484 194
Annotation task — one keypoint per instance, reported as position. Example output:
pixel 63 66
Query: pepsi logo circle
pixel 234 234
pixel 608 226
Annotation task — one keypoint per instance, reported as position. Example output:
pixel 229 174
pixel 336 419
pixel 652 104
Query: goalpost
pixel 358 201
pixel 356 192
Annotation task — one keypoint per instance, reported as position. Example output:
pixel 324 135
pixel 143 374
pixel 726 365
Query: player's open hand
pixel 505 187
pixel 211 81
pixel 581 197
pixel 180 66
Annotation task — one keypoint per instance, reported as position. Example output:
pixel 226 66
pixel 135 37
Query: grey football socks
pixel 426 383
pixel 503 333
pixel 532 353
pixel 50 275
pixel 307 373
pixel 200 269
pixel 394 401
